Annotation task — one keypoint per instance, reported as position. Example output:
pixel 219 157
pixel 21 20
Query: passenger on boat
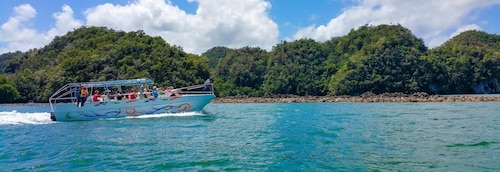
pixel 161 92
pixel 166 92
pixel 147 94
pixel 95 97
pixel 144 91
pixel 154 92
pixel 119 95
pixel 131 96
pixel 98 98
pixel 150 95
pixel 83 95
pixel 78 96
pixel 173 92
pixel 109 96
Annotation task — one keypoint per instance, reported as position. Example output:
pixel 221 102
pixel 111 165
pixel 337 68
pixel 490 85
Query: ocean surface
pixel 461 136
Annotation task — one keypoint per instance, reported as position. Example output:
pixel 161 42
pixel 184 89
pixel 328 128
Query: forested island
pixel 369 61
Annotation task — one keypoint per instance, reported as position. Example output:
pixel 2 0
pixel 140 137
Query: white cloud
pixel 465 28
pixel 216 22
pixel 441 38
pixel 428 19
pixel 243 23
pixel 15 31
pixel 18 34
pixel 64 22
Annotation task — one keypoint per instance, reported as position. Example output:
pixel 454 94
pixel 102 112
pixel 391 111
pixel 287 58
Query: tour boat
pixel 122 98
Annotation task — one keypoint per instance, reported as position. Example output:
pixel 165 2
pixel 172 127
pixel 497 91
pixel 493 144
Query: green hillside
pixel 378 59
pixel 99 54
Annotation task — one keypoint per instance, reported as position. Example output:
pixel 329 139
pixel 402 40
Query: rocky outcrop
pixel 365 97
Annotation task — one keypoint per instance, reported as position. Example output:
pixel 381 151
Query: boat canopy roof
pixel 112 83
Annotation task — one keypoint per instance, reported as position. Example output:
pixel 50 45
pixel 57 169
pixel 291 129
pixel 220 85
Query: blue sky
pixel 198 25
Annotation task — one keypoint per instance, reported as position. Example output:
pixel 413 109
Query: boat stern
pixel 52 116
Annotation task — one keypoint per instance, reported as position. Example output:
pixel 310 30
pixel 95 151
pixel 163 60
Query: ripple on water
pixel 268 137
pixel 478 144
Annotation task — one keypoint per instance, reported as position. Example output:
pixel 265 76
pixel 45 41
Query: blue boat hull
pixel 124 108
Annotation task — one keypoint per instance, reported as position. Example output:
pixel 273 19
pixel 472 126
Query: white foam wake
pixel 18 118
pixel 168 114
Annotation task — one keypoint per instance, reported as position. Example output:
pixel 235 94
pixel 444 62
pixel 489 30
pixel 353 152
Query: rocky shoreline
pixel 366 97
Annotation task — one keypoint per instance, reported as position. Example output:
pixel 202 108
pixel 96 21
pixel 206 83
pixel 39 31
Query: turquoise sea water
pixel 261 137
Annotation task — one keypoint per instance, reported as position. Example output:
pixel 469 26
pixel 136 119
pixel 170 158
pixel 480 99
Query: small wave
pixel 18 118
pixel 168 115
pixel 483 143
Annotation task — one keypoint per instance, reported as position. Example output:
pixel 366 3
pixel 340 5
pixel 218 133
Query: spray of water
pixel 19 118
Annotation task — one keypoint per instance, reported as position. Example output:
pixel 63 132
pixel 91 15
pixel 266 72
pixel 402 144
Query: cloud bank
pixel 216 22
pixel 430 20
pixel 18 34
pixel 241 23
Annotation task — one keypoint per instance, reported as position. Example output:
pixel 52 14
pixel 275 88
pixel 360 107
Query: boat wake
pixel 183 114
pixel 19 118
pixel 34 118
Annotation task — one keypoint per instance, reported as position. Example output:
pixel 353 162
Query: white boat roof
pixel 113 83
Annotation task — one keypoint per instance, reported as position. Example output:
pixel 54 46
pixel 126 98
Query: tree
pixel 471 61
pixel 8 91
pixel 379 59
pixel 98 54
pixel 296 68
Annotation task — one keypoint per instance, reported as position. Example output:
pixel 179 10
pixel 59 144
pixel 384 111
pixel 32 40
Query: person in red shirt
pixel 131 96
pixel 95 97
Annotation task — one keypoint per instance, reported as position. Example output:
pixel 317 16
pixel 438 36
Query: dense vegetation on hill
pixel 468 63
pixel 98 54
pixel 8 91
pixel 378 59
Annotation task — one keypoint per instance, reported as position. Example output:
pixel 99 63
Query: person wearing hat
pixel 154 92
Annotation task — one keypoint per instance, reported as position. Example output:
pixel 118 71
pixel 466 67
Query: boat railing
pixel 58 92
pixel 63 94
pixel 196 89
pixel 66 93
